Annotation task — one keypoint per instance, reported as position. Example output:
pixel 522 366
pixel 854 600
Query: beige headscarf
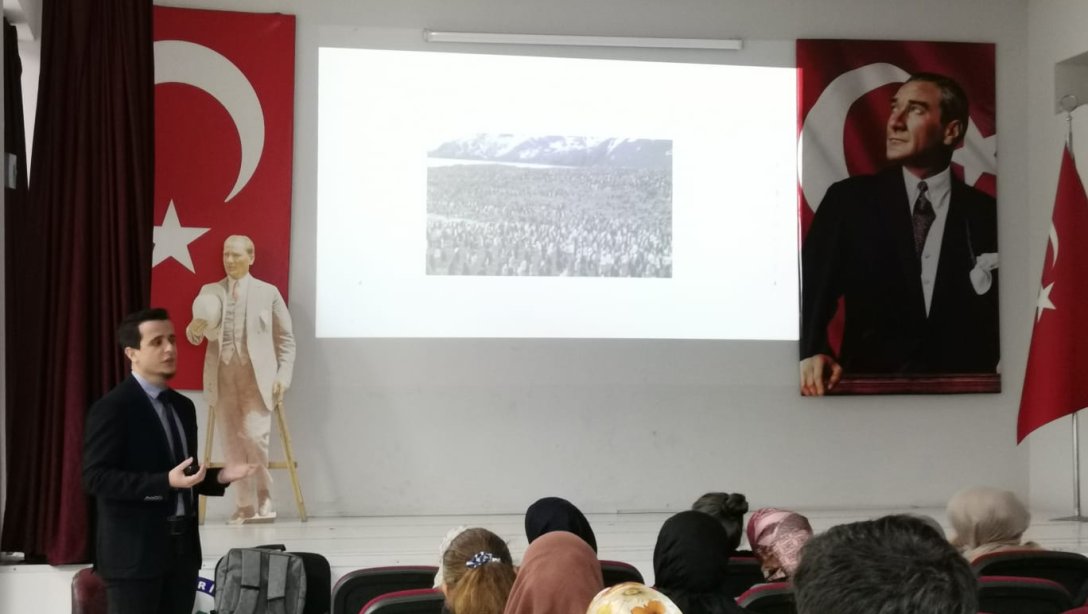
pixel 631 598
pixel 988 520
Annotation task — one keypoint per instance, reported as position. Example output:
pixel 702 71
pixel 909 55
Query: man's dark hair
pixel 891 565
pixel 953 99
pixel 128 332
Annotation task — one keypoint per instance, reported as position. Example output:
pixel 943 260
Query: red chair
pixel 416 601
pixel 744 573
pixel 1066 568
pixel 355 589
pixel 1017 595
pixel 88 593
pixel 618 572
pixel 771 598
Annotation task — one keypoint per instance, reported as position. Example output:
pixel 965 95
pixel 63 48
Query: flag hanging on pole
pixel 1055 384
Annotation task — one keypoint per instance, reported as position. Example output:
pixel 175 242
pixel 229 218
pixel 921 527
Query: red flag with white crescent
pixel 845 88
pixel 224 110
pixel 1055 385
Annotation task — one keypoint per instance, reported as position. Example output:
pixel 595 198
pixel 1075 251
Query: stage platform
pixel 354 543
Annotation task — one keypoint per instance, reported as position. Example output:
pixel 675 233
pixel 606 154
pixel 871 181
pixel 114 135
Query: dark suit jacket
pixel 861 247
pixel 126 458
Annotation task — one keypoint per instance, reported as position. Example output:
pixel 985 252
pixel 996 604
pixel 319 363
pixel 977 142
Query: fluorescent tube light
pixel 433 36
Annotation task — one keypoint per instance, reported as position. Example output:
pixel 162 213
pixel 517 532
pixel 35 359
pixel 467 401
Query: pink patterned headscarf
pixel 776 537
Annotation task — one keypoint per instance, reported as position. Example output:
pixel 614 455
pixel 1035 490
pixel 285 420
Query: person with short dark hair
pixel 892 565
pixel 728 509
pixel 139 445
pixel 910 251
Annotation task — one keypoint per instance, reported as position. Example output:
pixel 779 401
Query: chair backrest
pixel 744 573
pixel 414 601
pixel 1066 568
pixel 88 593
pixel 618 572
pixel 1015 595
pixel 771 598
pixel 356 588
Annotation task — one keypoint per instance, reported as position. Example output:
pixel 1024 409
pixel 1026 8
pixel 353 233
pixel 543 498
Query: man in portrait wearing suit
pixel 247 368
pixel 139 444
pixel 911 251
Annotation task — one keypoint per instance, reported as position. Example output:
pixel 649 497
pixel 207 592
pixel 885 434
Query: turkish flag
pixel 1055 385
pixel 845 89
pixel 224 109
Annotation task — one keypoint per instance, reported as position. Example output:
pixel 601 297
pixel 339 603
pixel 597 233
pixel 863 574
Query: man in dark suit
pixel 912 251
pixel 139 444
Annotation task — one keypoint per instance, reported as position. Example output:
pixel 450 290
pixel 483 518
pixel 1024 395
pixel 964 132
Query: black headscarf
pixel 555 514
pixel 691 562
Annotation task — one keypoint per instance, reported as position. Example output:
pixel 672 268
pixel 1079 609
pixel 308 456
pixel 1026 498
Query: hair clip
pixel 481 558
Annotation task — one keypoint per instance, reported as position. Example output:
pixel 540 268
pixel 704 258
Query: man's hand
pixel 235 472
pixel 179 480
pixel 278 388
pixel 812 375
pixel 194 332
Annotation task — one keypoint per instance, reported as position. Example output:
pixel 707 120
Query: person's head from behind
pixel 631 598
pixel 891 565
pixel 147 338
pixel 557 514
pixel 728 509
pixel 928 119
pixel 777 537
pixel 477 573
pixel 983 515
pixel 559 574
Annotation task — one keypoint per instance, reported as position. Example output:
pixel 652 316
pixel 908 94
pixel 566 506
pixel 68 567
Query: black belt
pixel 178 525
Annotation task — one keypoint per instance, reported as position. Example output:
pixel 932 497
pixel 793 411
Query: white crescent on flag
pixel 185 62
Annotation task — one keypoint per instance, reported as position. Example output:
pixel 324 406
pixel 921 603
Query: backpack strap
pixel 277 583
pixel 250 589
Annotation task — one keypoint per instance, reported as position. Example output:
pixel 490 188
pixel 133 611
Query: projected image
pixel 549 206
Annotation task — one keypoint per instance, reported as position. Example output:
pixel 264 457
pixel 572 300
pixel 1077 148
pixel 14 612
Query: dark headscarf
pixel 555 514
pixel 691 562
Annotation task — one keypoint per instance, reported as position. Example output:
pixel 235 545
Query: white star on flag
pixel 172 240
pixel 978 154
pixel 1044 301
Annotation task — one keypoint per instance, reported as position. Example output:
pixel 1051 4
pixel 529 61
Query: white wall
pixel 437 426
pixel 1055 33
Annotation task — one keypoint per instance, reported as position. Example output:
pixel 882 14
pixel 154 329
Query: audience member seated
pixel 477 573
pixel 631 598
pixel 691 564
pixel 452 533
pixel 891 565
pixel 729 510
pixel 988 520
pixel 559 574
pixel 556 514
pixel 776 537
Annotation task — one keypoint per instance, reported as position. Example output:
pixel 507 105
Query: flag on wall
pixel 224 110
pixel 1055 384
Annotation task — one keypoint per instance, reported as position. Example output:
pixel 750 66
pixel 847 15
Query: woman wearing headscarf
pixel 631 598
pixel 776 537
pixel 559 574
pixel 988 520
pixel 556 514
pixel 691 563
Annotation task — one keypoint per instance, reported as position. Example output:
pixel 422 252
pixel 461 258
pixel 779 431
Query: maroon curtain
pixel 79 258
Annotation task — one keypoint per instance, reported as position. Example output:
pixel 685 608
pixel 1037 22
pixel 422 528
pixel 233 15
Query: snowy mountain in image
pixel 581 151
